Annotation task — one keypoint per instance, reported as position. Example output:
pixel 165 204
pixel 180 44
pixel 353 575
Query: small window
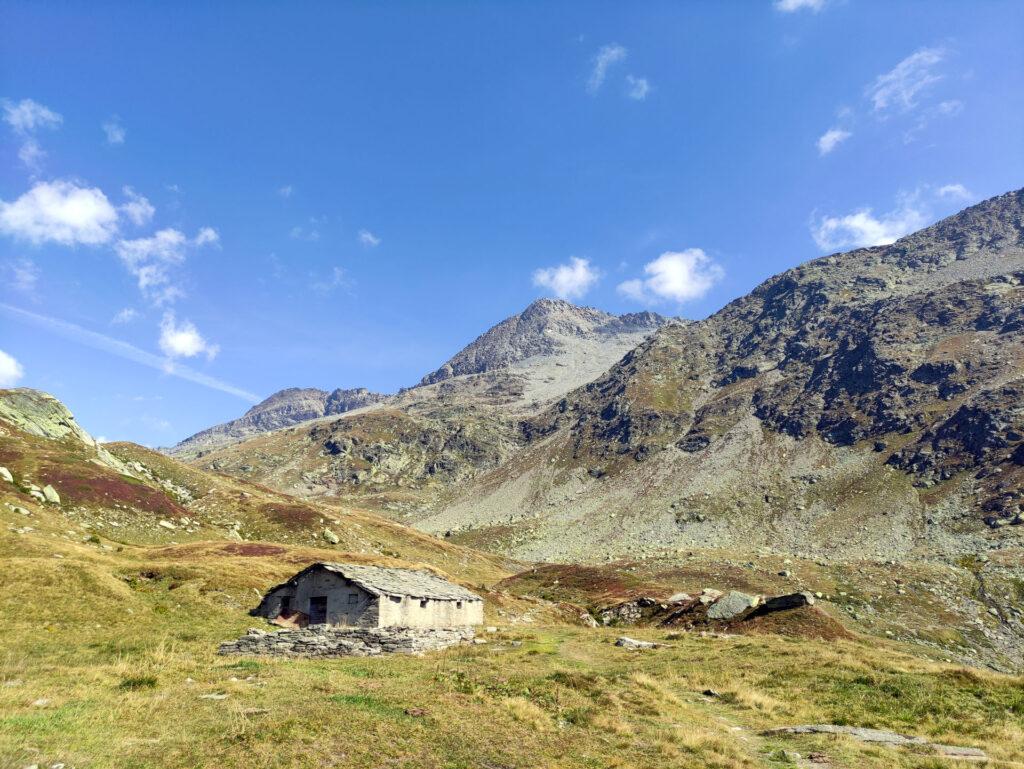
pixel 458 604
pixel 396 599
pixel 353 598
pixel 423 604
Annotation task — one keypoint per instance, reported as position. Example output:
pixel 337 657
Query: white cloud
pixel 206 236
pixel 638 88
pixel 831 139
pixel 899 88
pixel 791 6
pixel 114 130
pixel 127 315
pixel 862 228
pixel 183 340
pixel 568 281
pixel 675 275
pixel 605 58
pixel 286 191
pixel 24 275
pixel 138 208
pixel 367 238
pixel 27 116
pixel 61 212
pixel 10 370
pixel 151 260
pixel 124 350
pixel 954 192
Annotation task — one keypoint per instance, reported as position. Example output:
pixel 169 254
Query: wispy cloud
pixel 125 316
pixel 152 261
pixel 831 139
pixel 25 118
pixel 286 191
pixel 792 6
pixel 678 276
pixel 336 279
pixel 114 131
pixel 567 281
pixel 125 350
pixel 11 371
pixel 637 88
pixel 24 276
pixel 138 208
pixel 367 238
pixel 60 212
pixel 605 58
pixel 898 89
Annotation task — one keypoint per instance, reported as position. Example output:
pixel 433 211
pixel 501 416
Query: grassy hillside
pixel 112 620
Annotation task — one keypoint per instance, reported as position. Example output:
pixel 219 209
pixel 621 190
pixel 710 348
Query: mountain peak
pixel 545 327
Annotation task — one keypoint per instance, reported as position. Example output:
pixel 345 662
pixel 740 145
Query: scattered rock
pixel 679 598
pixel 50 494
pixel 217 696
pixel 632 643
pixel 709 595
pixel 588 620
pixel 167 525
pixel 6 475
pixel 711 693
pixel 331 537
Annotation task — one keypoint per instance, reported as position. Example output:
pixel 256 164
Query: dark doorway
pixel 318 610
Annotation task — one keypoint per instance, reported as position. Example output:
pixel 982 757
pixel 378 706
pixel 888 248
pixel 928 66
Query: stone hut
pixel 347 595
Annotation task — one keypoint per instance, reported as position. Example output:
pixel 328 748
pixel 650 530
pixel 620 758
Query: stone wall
pixel 325 641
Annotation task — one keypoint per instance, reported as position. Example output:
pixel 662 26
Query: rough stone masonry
pixel 327 641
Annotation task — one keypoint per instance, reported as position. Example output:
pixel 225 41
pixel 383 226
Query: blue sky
pixel 204 203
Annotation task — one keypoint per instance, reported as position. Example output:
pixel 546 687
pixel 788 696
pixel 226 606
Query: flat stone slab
pixel 731 605
pixel 882 737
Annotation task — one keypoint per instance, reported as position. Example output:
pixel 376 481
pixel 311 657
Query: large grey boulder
pixel 6 475
pixel 789 601
pixel 51 495
pixel 732 604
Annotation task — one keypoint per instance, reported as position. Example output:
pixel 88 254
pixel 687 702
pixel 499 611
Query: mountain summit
pixel 547 327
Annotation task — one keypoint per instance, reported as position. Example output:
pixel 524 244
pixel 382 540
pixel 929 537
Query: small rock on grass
pixel 632 643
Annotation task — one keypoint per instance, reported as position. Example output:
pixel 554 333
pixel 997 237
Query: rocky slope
pixel 865 403
pixel 283 408
pixel 463 419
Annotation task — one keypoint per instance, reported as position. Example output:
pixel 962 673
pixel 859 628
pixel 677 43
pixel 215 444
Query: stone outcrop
pixel 325 641
pixel 890 739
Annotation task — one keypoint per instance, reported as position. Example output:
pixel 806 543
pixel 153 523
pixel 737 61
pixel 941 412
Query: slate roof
pixel 380 580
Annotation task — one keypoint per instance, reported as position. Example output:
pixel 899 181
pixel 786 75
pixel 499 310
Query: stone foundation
pixel 327 641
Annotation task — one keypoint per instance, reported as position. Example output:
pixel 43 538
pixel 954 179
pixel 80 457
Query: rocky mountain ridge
pixel 282 409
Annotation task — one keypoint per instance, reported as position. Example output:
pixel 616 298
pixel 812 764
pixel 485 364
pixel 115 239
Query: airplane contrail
pixel 125 350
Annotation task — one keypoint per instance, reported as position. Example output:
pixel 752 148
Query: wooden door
pixel 318 610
